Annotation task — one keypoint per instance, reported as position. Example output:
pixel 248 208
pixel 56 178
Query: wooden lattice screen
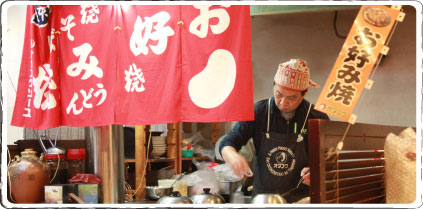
pixel 354 174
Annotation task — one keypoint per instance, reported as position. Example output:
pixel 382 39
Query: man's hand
pixel 305 173
pixel 238 163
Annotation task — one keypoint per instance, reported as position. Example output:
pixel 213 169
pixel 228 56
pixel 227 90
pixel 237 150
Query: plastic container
pixel 57 164
pixel 187 153
pixel 76 162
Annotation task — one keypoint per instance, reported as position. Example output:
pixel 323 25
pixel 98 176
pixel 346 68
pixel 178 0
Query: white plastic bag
pixel 202 146
pixel 202 179
pixel 224 172
pixel 400 167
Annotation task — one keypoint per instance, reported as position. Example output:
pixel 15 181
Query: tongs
pixel 243 180
pixel 301 181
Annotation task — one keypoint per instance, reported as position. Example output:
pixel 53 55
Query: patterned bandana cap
pixel 294 75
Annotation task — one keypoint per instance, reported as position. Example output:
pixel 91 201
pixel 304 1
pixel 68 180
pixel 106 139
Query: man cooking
pixel 279 132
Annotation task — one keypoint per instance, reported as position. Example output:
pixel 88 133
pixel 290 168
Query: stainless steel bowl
pixel 228 187
pixel 268 199
pixel 156 192
pixel 189 191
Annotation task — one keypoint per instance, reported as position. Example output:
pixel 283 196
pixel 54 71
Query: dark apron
pixel 279 162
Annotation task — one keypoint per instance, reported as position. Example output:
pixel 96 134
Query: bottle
pixel 76 162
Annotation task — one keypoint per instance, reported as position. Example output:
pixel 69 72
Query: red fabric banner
pixel 37 99
pixel 216 63
pixel 149 53
pixel 100 65
pixel 87 64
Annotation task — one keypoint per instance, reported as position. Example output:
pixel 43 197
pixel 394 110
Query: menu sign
pixel 95 65
pixel 358 56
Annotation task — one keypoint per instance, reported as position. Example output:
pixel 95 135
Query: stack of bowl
pixel 159 145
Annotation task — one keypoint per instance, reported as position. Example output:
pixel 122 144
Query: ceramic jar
pixel 28 176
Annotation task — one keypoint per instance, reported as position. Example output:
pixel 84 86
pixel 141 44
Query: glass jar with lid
pixel 58 168
pixel 76 162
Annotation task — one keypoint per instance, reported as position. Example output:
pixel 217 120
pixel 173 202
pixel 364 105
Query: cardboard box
pixel 88 192
pixel 58 194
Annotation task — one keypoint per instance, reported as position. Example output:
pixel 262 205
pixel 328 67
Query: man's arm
pixel 232 142
pixel 238 163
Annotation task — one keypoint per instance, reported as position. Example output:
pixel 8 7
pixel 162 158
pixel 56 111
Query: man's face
pixel 287 100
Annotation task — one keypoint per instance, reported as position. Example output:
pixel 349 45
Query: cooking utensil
pixel 179 178
pixel 174 198
pixel 157 192
pixel 275 198
pixel 268 199
pixel 301 180
pixel 229 187
pixel 190 190
pixel 207 198
pixel 249 173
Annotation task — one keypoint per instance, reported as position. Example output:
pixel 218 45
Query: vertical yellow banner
pixel 356 60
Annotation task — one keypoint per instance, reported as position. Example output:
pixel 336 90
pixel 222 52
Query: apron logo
pixel 280 161
pixel 281 157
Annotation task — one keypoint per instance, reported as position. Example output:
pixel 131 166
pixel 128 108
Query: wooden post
pixel 174 145
pixel 203 129
pixel 140 136
pixel 215 132
pixel 187 127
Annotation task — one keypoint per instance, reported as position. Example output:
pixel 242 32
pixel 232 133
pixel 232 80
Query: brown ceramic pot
pixel 28 176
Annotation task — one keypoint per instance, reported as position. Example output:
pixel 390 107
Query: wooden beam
pixel 187 127
pixel 215 132
pixel 174 145
pixel 179 148
pixel 203 129
pixel 317 175
pixel 140 136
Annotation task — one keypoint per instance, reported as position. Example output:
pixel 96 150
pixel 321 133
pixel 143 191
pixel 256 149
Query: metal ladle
pixel 179 178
